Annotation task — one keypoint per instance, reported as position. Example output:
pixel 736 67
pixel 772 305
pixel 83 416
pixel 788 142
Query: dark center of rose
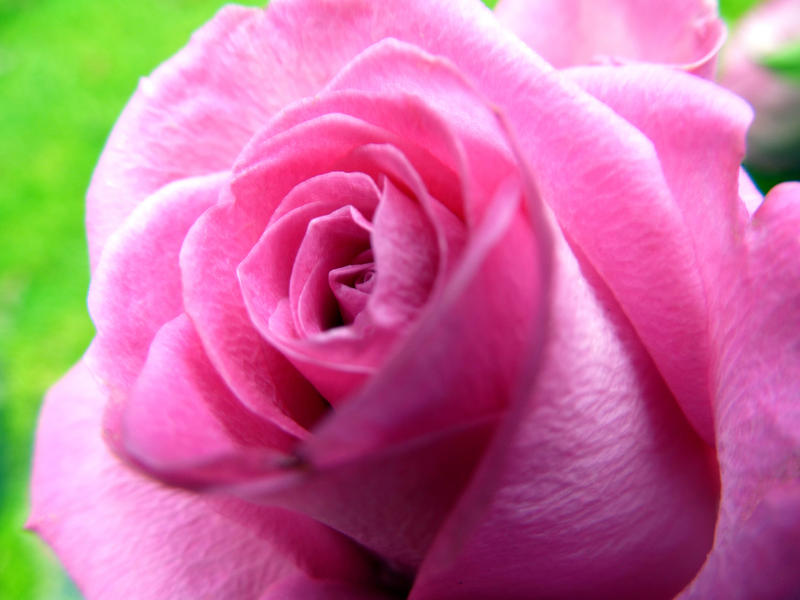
pixel 351 286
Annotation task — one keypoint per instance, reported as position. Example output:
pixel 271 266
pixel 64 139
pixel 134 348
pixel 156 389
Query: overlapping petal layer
pixel 596 482
pixel 683 33
pixel 757 415
pixel 92 509
pixel 698 131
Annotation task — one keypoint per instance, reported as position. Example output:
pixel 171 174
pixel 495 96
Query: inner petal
pixel 406 255
pixel 352 286
pixel 265 273
pixel 331 241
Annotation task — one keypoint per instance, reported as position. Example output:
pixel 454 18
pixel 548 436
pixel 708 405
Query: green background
pixel 66 69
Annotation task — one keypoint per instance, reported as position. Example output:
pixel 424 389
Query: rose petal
pixel 90 508
pixel 423 137
pixel 210 255
pixel 394 67
pixel 305 588
pixel 330 241
pixel 181 413
pixel 190 117
pixel 684 33
pixel 406 257
pixel 136 287
pixel 698 130
pixel 266 271
pixel 596 486
pixel 352 285
pixel 449 229
pixel 302 152
pixel 755 552
pixel 392 501
pixel 257 373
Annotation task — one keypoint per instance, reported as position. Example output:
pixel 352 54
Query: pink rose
pixel 388 307
pixel 773 142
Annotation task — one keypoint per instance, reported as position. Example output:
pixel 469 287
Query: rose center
pixel 365 281
pixel 352 285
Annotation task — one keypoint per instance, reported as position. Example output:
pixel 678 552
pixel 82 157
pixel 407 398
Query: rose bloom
pixel 773 142
pixel 387 306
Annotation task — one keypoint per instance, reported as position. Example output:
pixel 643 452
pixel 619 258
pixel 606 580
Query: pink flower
pixel 773 142
pixel 387 306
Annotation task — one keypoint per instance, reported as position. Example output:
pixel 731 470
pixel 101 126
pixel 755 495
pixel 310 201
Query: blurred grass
pixel 66 69
pixel 732 10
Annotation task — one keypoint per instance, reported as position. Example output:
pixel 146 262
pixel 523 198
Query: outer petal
pixel 123 536
pixel 196 112
pixel 181 413
pixel 190 117
pixel 596 487
pixel 756 554
pixel 302 587
pixel 683 33
pixel 136 288
pixel 698 131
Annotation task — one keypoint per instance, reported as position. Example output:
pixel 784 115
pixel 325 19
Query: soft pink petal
pixel 330 241
pixel 481 155
pixel 450 231
pixel 595 487
pixel 406 259
pixel 698 131
pixel 391 501
pixel 257 373
pixel 121 535
pixel 683 33
pixel 180 413
pixel 196 112
pixel 329 358
pixel 423 150
pixel 136 287
pixel 302 587
pixel 610 197
pixel 352 285
pixel 407 123
pixel 757 414
pixel 284 157
pixel 267 270
pixel 190 117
